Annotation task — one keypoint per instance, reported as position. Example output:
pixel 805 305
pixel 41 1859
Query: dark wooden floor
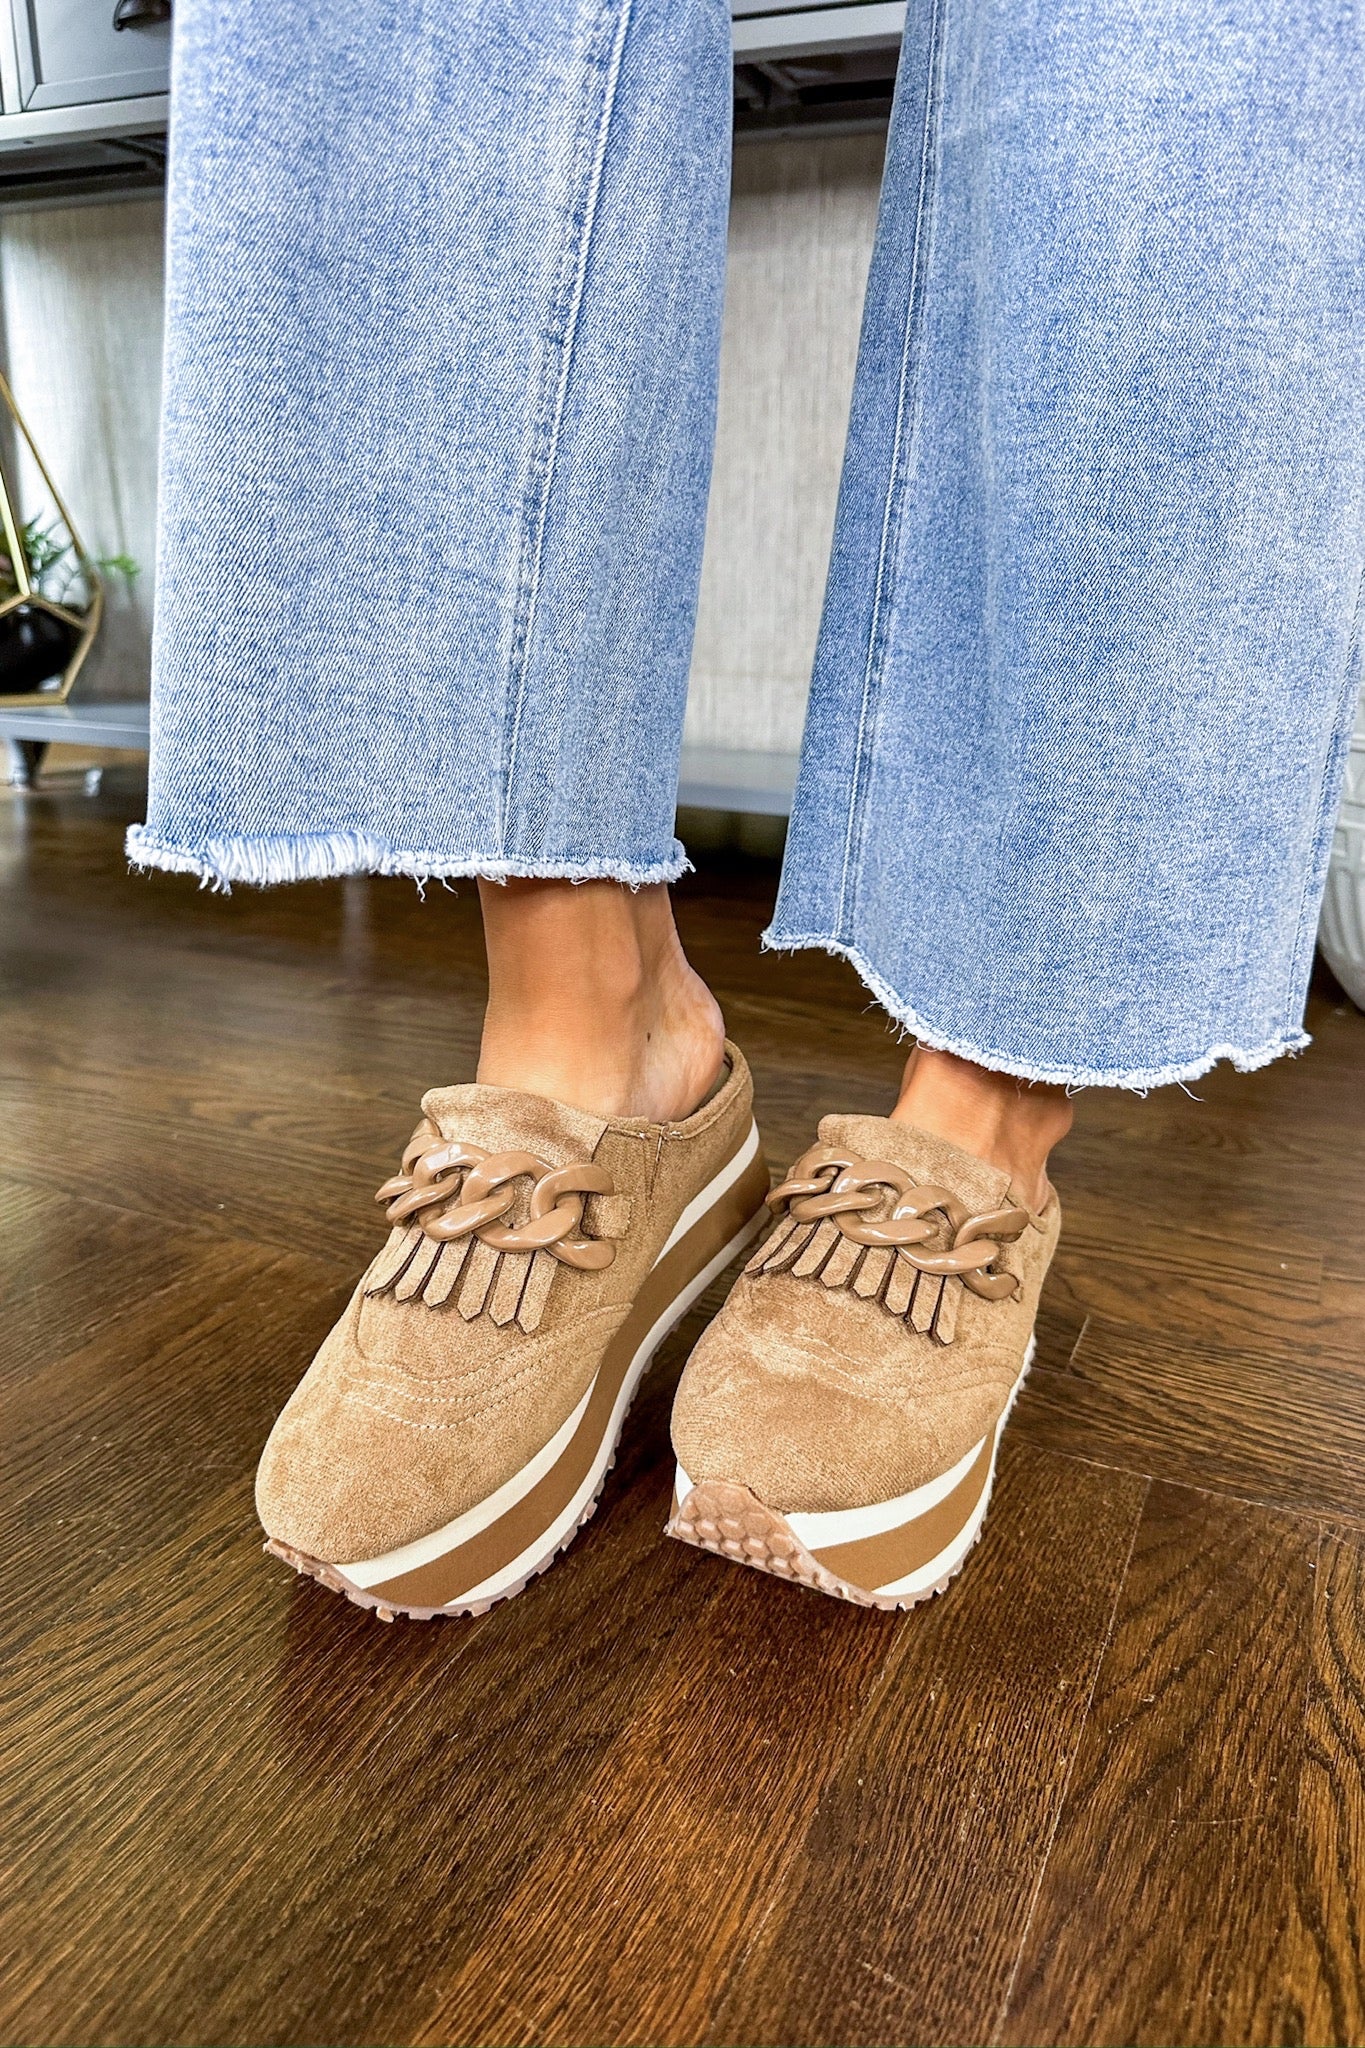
pixel 1109 1789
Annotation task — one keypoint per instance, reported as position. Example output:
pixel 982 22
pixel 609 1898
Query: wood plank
pixel 1220 1253
pixel 241 1810
pixel 1271 1425
pixel 107 1446
pixel 1256 1158
pixel 298 1184
pixel 901 1917
pixel 1244 1138
pixel 1159 1914
pixel 1322 1994
pixel 664 1867
pixel 215 1008
pixel 1056 1336
pixel 69 1266
pixel 1228 1309
pixel 1134 1286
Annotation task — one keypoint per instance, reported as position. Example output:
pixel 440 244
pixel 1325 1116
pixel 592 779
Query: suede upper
pixel 816 1398
pixel 412 1414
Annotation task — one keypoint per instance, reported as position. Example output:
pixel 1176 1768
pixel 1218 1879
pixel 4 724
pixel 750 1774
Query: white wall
pixel 80 290
pixel 801 227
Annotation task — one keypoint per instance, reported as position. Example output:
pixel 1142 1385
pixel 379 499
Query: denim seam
pixel 888 548
pixel 1136 1079
pixel 322 856
pixel 1328 795
pixel 549 425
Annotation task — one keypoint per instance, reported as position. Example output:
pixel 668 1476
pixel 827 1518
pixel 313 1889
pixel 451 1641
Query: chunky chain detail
pixel 865 1225
pixel 849 1191
pixel 457 1190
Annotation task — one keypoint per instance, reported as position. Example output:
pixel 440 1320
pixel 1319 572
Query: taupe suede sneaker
pixel 838 1422
pixel 458 1423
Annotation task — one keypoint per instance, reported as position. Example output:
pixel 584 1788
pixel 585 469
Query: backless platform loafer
pixel 838 1423
pixel 457 1425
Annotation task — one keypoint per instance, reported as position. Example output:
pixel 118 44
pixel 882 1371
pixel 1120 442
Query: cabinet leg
pixel 25 760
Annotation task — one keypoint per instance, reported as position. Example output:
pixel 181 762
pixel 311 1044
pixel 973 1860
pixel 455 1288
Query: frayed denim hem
pixel 1138 1080
pixel 316 857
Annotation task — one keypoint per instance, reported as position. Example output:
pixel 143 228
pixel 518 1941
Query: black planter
pixel 35 646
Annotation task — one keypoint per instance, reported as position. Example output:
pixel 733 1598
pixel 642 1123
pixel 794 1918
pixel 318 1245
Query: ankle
pixel 1008 1122
pixel 592 1000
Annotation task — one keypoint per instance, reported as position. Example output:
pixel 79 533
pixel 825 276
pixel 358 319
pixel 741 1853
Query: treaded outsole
pixel 387 1610
pixel 726 1519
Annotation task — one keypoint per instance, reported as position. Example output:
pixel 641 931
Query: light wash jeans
pixel 445 285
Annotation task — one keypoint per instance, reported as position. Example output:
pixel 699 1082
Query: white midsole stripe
pixel 846 1525
pixel 952 1553
pixel 546 1544
pixel 938 1567
pixel 713 1191
pixel 374 1570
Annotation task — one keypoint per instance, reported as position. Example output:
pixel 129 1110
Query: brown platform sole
pixel 495 1550
pixel 733 1523
pixel 892 1555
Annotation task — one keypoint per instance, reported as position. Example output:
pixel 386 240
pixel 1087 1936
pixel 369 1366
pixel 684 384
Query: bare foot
pixel 1010 1123
pixel 592 1001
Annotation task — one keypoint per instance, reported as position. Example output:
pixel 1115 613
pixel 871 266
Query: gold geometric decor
pixel 51 593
